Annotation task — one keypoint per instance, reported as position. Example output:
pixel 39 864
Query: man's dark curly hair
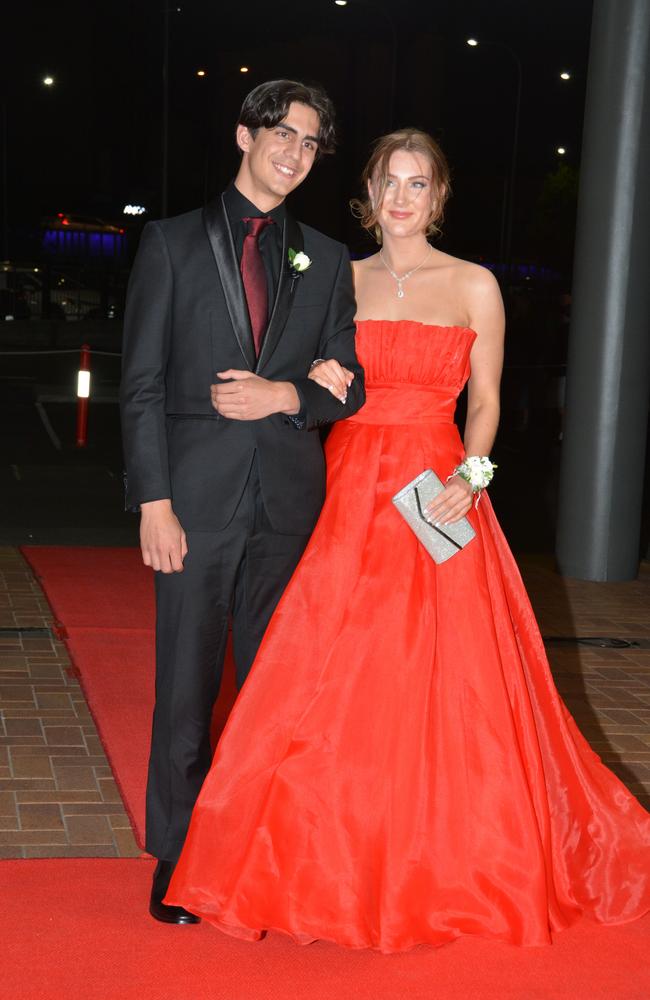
pixel 267 105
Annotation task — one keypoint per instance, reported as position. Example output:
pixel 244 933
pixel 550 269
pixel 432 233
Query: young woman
pixel 414 775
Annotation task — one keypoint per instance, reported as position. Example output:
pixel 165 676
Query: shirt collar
pixel 238 207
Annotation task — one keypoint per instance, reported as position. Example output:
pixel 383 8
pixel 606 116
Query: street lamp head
pixel 48 81
pixel 341 3
pixel 200 72
pixel 565 76
pixel 473 42
pixel 243 69
pixel 560 150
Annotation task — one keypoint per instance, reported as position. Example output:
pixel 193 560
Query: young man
pixel 218 417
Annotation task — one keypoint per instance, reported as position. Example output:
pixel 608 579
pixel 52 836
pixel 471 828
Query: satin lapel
pixel 291 239
pixel 223 248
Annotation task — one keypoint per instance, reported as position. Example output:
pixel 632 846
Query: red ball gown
pixel 399 767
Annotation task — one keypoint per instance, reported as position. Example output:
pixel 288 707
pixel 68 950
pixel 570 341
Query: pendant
pixel 400 292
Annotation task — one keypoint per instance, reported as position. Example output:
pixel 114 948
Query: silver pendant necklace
pixel 402 278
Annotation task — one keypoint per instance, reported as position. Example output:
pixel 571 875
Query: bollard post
pixel 83 393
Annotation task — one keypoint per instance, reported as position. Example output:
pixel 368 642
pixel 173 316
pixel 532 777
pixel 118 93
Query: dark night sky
pixel 92 142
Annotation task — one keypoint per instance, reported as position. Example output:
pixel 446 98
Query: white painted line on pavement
pixel 49 430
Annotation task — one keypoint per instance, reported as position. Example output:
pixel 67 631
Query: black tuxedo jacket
pixel 186 318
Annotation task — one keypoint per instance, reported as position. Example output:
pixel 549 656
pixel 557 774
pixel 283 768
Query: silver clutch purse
pixel 440 542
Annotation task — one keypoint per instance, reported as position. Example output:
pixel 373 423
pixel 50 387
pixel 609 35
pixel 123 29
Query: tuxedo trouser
pixel 237 573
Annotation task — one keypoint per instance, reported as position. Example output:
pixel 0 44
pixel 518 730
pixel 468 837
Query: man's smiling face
pixel 276 160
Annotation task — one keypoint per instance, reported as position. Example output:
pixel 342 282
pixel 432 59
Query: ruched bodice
pixel 414 371
pixel 405 351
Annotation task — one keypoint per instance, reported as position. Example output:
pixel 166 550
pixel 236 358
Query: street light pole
pixel 393 69
pixel 5 183
pixel 513 161
pixel 165 113
pixel 393 52
pixel 212 104
pixel 48 81
pixel 507 222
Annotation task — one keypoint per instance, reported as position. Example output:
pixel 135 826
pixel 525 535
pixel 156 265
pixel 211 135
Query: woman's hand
pixel 333 376
pixel 452 504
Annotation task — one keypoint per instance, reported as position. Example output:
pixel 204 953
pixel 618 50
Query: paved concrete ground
pixel 58 797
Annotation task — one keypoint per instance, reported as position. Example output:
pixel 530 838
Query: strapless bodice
pixel 413 371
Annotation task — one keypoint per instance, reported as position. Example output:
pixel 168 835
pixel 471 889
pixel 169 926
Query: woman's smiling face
pixel 406 205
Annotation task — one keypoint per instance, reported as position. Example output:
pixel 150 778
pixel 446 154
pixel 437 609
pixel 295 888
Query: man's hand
pixel 250 397
pixel 162 538
pixel 333 376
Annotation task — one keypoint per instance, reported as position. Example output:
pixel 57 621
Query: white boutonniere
pixel 298 264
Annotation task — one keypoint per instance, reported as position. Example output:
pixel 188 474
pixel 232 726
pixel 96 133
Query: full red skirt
pixel 399 767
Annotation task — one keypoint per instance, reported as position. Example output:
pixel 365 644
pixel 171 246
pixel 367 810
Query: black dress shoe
pixel 158 909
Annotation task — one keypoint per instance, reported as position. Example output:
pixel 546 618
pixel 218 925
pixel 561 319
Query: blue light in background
pixel 75 243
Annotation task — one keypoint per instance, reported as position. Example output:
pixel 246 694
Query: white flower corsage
pixel 478 471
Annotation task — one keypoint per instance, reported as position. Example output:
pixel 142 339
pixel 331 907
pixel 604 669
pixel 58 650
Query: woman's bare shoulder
pixel 476 281
pixel 481 285
pixel 466 270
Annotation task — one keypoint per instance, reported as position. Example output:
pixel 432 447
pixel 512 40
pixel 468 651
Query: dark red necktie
pixel 254 278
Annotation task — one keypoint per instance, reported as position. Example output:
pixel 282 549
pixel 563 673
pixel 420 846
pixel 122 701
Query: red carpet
pixel 79 929
pixel 103 597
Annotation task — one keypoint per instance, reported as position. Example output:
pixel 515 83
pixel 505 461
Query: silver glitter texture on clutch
pixel 441 542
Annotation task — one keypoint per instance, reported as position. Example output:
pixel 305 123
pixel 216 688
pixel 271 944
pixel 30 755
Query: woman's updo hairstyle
pixel 412 140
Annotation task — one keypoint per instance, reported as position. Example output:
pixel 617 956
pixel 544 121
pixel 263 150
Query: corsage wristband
pixel 478 471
